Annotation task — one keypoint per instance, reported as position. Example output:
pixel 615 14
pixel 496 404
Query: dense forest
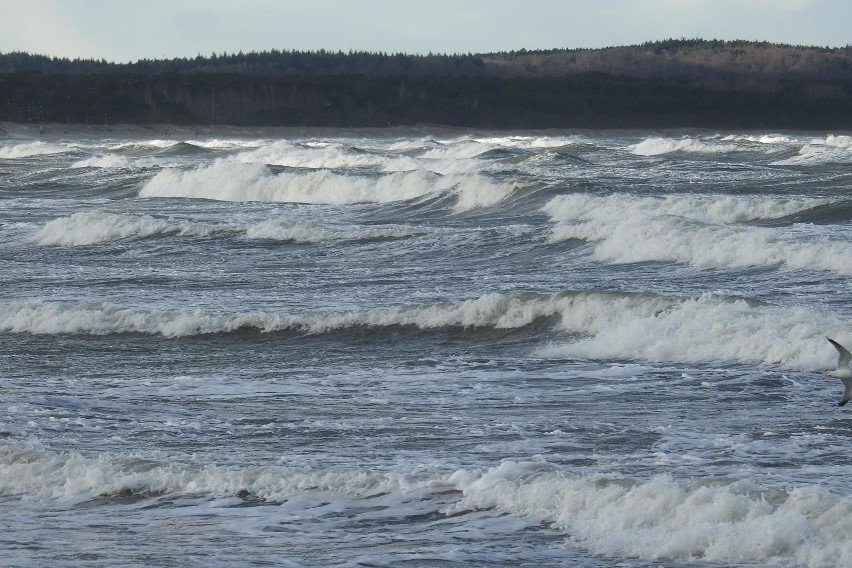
pixel 673 83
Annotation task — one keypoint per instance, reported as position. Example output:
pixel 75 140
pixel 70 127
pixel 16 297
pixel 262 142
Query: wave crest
pixel 703 233
pixel 588 325
pixel 30 469
pixel 29 149
pixel 493 310
pixel 715 520
pixel 708 328
pixel 92 227
pixel 226 180
pixel 656 146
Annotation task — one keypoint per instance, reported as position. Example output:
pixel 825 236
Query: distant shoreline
pixel 52 131
pixel 58 131
pixel 672 84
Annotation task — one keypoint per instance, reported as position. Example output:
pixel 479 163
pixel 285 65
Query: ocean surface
pixel 424 348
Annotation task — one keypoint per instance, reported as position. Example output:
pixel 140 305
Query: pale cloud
pixel 781 5
pixel 126 30
pixel 699 7
pixel 40 26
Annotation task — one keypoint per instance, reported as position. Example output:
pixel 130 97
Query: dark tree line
pixel 692 58
pixel 676 83
pixel 266 63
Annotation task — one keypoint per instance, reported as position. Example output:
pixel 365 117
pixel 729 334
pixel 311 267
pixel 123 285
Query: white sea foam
pixel 526 142
pixel 703 329
pixel 104 161
pixel 98 226
pixel 40 317
pixel 455 157
pixel 28 149
pixel 476 191
pixel 767 139
pixel 225 143
pixel 412 144
pixel 461 149
pixel 330 156
pixel 146 146
pixel 700 232
pixel 711 209
pixel 839 141
pixel 601 325
pixel 829 150
pixel 656 146
pixel 712 520
pixel 715 520
pixel 235 181
pixel 33 471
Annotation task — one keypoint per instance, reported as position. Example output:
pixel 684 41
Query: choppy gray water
pixel 425 349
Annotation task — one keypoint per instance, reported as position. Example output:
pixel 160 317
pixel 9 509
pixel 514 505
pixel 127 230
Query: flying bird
pixel 843 371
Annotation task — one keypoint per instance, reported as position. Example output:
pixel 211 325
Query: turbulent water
pixel 419 348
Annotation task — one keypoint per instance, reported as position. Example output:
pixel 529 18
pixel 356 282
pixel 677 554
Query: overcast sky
pixel 127 30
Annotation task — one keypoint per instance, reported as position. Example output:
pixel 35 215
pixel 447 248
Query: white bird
pixel 843 371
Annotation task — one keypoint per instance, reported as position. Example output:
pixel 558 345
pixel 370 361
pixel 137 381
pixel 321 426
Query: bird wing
pixel 847 392
pixel 845 356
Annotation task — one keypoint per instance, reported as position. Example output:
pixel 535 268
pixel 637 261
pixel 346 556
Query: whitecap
pixel 714 520
pixel 705 232
pixel 656 146
pixel 29 149
pixel 99 226
pixel 227 180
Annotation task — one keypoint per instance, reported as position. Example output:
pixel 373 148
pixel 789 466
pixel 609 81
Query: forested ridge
pixel 672 83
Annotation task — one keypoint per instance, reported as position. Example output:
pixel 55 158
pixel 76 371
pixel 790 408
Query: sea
pixel 423 347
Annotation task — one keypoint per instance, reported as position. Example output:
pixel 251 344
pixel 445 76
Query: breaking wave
pixel 30 469
pixel 656 146
pixel 234 181
pixel 707 519
pixel 494 310
pixel 107 161
pixel 26 150
pixel 587 325
pixel 831 150
pixel 711 209
pixel 707 328
pixel 701 232
pixel 711 519
pixel 98 226
pixel 326 156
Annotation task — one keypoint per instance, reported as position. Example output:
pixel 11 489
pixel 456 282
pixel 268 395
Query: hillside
pixel 673 83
